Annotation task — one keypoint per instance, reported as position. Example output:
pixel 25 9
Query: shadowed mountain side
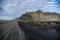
pixel 40 32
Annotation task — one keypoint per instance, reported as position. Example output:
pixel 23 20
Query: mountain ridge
pixel 40 16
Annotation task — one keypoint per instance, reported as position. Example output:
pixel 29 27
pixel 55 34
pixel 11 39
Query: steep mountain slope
pixel 40 16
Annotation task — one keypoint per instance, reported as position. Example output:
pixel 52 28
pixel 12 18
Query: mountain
pixel 40 16
pixel 34 27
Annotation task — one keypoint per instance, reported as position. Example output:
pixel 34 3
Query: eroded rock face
pixel 44 17
pixel 41 16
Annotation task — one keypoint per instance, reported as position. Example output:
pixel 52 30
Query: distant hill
pixel 40 16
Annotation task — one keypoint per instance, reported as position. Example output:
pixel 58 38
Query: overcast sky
pixel 32 5
pixel 16 8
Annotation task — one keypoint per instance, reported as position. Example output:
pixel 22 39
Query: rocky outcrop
pixel 41 16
